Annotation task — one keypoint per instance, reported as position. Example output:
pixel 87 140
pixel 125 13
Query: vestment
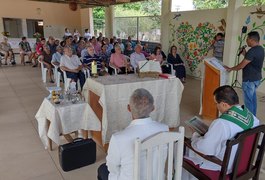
pixel 180 69
pixel 120 156
pixel 214 142
pixel 252 74
pixel 135 58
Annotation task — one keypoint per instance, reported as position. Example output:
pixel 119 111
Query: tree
pixel 213 4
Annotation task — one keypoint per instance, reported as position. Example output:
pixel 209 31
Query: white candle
pixel 94 67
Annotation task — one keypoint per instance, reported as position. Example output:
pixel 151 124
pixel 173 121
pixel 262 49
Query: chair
pixel 57 75
pixel 247 162
pixel 43 70
pixel 172 142
pixel 66 80
pixel 172 70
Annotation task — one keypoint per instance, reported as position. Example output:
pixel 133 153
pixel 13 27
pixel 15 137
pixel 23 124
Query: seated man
pixel 234 119
pixel 46 58
pixel 6 49
pixel 72 66
pixel 25 49
pixel 120 158
pixel 87 61
pixel 137 56
pixel 56 58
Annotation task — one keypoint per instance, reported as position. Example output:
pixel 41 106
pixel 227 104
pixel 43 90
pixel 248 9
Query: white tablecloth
pixel 115 91
pixel 64 119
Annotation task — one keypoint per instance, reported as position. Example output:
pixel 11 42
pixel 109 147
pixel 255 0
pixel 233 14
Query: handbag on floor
pixel 81 152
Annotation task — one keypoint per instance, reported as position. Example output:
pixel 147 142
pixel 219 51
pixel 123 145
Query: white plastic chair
pixel 57 75
pixel 66 80
pixel 155 147
pixel 172 69
pixel 43 70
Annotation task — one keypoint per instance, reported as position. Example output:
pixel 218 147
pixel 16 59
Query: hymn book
pixel 149 66
pixel 197 125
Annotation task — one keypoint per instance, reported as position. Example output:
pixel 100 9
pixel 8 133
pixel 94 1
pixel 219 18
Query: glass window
pixel 34 26
pixel 13 27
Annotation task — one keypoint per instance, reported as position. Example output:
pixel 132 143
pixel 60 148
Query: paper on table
pixel 149 66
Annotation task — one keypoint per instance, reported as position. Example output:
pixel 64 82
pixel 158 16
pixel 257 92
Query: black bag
pixel 81 152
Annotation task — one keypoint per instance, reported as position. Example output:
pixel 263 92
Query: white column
pixel 165 20
pixel 109 20
pixel 24 28
pixel 91 21
pixel 233 28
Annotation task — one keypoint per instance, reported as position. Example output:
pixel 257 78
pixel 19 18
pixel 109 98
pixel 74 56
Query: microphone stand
pixel 236 83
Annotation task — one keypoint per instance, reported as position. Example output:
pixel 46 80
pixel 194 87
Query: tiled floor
pixel 22 155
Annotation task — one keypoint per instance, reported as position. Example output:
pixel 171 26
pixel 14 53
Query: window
pixel 13 27
pixel 34 26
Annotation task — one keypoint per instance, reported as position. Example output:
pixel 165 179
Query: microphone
pixel 241 50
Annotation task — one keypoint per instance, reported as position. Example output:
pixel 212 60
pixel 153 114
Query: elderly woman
pixel 178 64
pixel 119 61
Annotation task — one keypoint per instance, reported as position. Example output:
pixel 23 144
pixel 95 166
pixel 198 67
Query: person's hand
pixel 228 69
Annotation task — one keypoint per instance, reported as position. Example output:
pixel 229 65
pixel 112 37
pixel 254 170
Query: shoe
pixel 28 62
pixel 35 65
pixel 51 81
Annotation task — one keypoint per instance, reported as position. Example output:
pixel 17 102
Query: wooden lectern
pixel 210 83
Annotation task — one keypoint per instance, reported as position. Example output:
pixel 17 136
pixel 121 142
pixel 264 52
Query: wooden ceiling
pixel 90 3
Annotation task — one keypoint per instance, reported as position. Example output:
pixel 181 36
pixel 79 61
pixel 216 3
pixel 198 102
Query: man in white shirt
pixel 87 34
pixel 137 56
pixel 213 143
pixel 120 158
pixel 72 66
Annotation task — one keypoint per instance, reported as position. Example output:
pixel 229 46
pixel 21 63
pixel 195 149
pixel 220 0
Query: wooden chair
pixel 154 149
pixel 247 162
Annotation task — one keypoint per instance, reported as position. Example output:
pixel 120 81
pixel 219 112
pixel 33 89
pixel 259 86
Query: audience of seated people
pixel 137 56
pixel 71 64
pixel 178 65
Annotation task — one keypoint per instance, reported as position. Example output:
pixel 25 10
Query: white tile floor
pixel 22 155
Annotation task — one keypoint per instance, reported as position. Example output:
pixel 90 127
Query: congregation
pixel 109 54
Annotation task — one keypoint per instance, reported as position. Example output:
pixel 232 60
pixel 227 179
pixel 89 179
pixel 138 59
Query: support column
pixel 91 21
pixel 87 20
pixel 233 28
pixel 24 28
pixel 109 20
pixel 165 20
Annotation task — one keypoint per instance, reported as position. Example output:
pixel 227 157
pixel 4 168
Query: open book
pixel 149 66
pixel 198 125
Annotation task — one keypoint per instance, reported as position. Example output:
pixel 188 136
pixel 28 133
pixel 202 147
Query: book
pixel 167 76
pixel 198 125
pixel 149 66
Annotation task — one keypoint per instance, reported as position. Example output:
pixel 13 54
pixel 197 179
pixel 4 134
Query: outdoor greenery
pixel 213 4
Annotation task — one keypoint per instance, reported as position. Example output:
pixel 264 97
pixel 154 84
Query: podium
pixel 215 75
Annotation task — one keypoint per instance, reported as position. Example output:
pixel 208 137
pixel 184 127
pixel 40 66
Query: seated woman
pixel 128 49
pixel 119 61
pixel 178 65
pixel 156 55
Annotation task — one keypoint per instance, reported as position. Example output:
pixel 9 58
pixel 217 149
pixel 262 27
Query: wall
pixel 55 16
pixel 192 32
